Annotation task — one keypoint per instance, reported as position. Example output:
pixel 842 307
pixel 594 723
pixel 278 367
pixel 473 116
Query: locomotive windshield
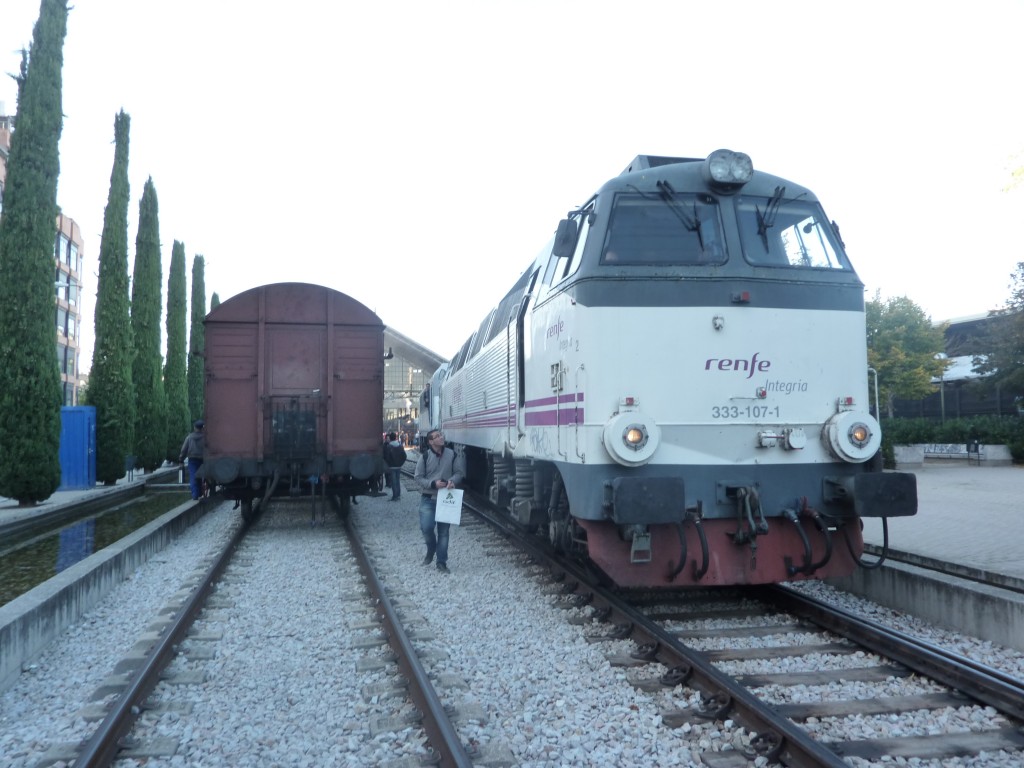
pixel 670 229
pixel 787 233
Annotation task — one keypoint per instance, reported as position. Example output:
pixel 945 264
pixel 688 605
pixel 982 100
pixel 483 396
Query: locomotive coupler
pixel 748 503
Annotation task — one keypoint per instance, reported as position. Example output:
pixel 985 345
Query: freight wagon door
pixel 296 389
pixel 358 389
pixel 231 415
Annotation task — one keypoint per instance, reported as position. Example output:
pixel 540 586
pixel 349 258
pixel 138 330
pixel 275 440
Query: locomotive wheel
pixel 559 522
pixel 558 533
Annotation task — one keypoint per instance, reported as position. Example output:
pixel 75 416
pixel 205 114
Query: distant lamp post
pixel 942 386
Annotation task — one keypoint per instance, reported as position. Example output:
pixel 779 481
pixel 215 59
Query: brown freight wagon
pixel 294 395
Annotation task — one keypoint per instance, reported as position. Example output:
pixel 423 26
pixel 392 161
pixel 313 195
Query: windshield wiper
pixel 767 219
pixel 668 194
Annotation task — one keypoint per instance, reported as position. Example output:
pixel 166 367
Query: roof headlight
pixel 725 168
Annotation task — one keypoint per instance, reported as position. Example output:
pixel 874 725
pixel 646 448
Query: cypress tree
pixel 197 339
pixel 214 301
pixel 175 382
pixel 30 390
pixel 110 381
pixel 146 309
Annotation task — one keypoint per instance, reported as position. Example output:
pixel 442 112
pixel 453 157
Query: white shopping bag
pixel 449 506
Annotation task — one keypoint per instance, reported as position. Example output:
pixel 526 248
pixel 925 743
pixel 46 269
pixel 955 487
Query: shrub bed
pixel 987 430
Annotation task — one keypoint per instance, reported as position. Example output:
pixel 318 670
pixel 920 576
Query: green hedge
pixel 988 430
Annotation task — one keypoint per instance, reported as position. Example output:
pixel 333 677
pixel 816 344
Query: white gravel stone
pixel 284 686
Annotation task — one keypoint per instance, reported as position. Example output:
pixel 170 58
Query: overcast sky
pixel 417 155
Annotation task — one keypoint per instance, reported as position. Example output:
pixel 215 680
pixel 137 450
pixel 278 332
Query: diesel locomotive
pixel 677 388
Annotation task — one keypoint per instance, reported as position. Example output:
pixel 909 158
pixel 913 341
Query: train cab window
pixel 573 264
pixel 561 266
pixel 652 230
pixel 788 233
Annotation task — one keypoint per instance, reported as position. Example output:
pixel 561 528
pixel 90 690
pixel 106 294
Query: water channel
pixel 31 559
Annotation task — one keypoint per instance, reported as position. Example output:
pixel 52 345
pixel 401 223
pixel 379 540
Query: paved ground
pixel 969 515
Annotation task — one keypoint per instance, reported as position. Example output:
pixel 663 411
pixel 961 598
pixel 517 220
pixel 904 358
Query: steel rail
pixel 792 745
pixel 982 683
pixel 102 747
pixel 777 736
pixel 441 734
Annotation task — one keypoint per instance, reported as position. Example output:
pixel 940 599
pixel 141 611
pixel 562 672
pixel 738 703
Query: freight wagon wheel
pixel 341 504
pixel 247 510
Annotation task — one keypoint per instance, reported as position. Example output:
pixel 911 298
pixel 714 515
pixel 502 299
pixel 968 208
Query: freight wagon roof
pixel 294 303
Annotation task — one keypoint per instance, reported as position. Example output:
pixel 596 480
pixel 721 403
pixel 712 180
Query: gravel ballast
pixel 289 683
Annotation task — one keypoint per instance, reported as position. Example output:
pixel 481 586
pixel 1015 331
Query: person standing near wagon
pixel 394 457
pixel 192 451
pixel 437 467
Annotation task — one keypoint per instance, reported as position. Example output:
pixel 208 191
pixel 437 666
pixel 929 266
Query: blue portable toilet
pixel 77 447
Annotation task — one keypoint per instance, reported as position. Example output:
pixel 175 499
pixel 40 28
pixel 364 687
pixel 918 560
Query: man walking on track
pixel 438 467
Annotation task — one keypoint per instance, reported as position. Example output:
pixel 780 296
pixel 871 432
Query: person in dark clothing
pixel 394 458
pixel 437 467
pixel 192 451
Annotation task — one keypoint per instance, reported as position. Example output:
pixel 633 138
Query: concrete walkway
pixel 969 515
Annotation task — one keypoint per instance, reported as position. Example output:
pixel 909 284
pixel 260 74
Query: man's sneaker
pixel 442 567
pixel 428 559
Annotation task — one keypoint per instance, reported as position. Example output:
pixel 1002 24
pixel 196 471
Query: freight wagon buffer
pixel 294 394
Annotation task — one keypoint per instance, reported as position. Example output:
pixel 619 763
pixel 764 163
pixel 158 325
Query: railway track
pixel 804 636
pixel 173 668
pixel 302 657
pixel 755 685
